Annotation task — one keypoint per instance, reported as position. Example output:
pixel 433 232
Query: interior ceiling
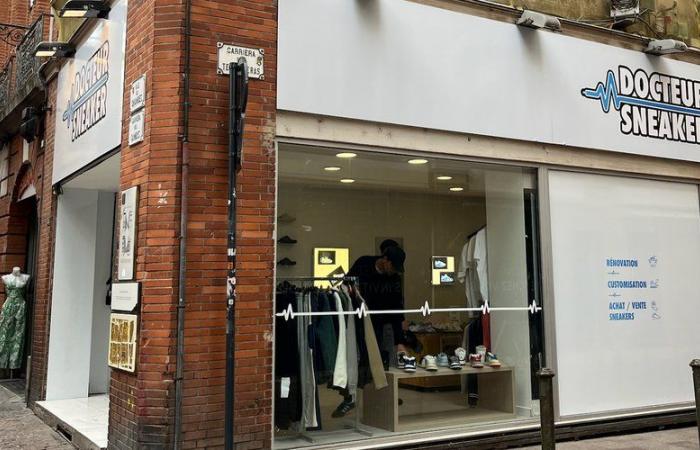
pixel 304 164
pixel 103 177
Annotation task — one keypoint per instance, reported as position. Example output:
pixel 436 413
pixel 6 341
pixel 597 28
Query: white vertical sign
pixel 127 232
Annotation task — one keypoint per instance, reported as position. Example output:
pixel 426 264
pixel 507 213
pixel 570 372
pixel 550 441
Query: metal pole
pixel 695 364
pixel 547 408
pixel 238 98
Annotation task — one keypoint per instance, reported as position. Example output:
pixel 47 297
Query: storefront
pixel 86 175
pixel 540 204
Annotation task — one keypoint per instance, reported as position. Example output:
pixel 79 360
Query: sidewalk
pixel 678 438
pixel 19 427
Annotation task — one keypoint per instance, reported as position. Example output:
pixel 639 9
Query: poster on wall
pixel 330 262
pixel 122 341
pixel 127 233
pixel 90 96
pixel 624 251
pixel 443 270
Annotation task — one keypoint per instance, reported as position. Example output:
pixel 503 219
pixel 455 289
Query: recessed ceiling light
pixel 347 180
pixel 456 189
pixel 417 161
pixel 331 169
pixel 346 155
pixel 444 178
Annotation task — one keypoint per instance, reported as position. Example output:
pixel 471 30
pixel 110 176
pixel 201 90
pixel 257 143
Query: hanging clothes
pixel 340 373
pixel 352 356
pixel 12 325
pixel 287 381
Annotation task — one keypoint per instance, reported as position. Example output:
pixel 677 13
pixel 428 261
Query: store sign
pixel 652 105
pixel 231 53
pixel 127 233
pixel 122 341
pixel 136 127
pixel 503 80
pixel 89 97
pixel 137 99
pixel 125 296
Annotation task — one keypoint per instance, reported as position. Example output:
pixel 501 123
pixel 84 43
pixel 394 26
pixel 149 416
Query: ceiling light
pixel 444 178
pixel 417 161
pixel 85 9
pixel 456 189
pixel 347 180
pixel 665 46
pixel 54 49
pixel 331 169
pixel 532 19
pixel 346 155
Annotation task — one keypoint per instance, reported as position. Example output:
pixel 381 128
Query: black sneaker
pixel 286 262
pixel 342 409
pixel 287 240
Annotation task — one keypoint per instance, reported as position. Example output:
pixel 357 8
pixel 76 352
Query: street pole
pixel 547 408
pixel 695 364
pixel 238 98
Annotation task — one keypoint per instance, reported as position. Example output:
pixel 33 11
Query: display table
pixel 496 400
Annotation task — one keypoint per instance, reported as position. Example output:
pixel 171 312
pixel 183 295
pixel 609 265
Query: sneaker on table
pixel 455 364
pixel 492 360
pixel 400 360
pixel 429 363
pixel 442 360
pixel 475 360
pixel 409 364
pixel 461 354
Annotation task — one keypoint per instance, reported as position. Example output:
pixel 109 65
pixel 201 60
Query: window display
pixel 377 335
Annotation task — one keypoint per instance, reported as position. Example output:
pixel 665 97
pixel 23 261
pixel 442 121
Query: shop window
pixel 433 249
pixel 4 169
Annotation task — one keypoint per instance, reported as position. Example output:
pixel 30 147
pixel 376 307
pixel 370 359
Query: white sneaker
pixel 429 363
pixel 462 355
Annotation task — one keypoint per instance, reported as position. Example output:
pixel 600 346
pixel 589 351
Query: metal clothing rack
pixel 356 427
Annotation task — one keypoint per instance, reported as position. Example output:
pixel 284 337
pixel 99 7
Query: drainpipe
pixel 181 288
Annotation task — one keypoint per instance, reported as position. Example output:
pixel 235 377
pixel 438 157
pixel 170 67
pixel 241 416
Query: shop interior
pixel 335 206
pixel 78 375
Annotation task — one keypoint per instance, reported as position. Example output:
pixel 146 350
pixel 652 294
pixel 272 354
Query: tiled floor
pixel 88 416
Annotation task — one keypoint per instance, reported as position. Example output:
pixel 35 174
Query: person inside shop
pixel 381 287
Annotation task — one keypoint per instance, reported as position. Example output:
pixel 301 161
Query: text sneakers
pixel 454 363
pixel 429 363
pixel 461 354
pixel 409 364
pixel 442 360
pixel 475 360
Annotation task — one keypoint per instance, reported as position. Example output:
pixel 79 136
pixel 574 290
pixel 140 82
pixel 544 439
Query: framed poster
pixel 330 262
pixel 125 296
pixel 443 270
pixel 122 342
pixel 127 233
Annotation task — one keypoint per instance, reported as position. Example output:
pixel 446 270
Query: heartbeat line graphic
pixel 608 94
pixel 425 310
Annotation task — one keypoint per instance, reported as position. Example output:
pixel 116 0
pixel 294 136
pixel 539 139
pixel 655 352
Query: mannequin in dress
pixel 12 320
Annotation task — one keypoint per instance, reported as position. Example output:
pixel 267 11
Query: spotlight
pixel 54 49
pixel 346 155
pixel 532 19
pixel 665 46
pixel 84 9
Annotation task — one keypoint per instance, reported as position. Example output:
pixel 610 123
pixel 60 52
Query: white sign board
pixel 125 296
pixel 231 53
pixel 136 127
pixel 127 232
pixel 137 99
pixel 625 254
pixel 89 96
pixel 469 74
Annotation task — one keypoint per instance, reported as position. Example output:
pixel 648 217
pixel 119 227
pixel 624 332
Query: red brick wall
pixel 252 24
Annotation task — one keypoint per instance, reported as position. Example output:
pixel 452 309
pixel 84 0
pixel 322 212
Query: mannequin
pixel 12 320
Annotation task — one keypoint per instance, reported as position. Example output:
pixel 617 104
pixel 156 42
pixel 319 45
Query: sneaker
pixel 475 360
pixel 446 278
pixel 400 360
pixel 429 363
pixel 492 360
pixel 454 363
pixel 442 360
pixel 342 409
pixel 409 364
pixel 287 240
pixel 461 354
pixel 286 262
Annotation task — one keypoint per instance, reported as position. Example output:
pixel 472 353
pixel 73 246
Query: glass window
pixel 4 169
pixel 432 248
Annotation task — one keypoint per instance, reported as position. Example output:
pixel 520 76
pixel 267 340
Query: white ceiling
pixel 103 177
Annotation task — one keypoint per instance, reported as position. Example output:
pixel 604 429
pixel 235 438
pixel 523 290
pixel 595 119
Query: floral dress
pixel 12 323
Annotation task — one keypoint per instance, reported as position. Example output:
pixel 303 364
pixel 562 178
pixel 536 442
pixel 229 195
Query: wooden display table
pixel 496 400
